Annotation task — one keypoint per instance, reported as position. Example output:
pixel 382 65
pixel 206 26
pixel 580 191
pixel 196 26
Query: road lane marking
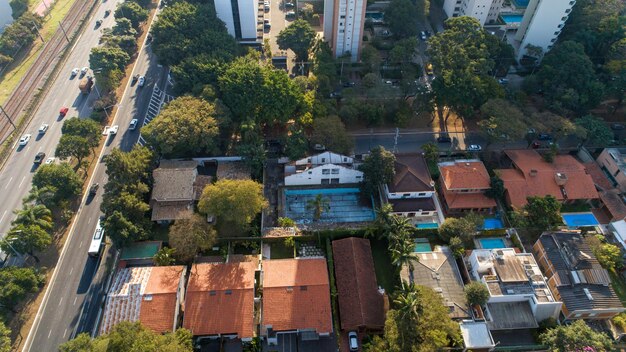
pixel 50 333
pixel 61 301
pixel 3 214
pixel 89 221
pixel 65 333
pixel 75 298
pixel 23 178
pixel 7 186
pixel 81 244
pixel 71 270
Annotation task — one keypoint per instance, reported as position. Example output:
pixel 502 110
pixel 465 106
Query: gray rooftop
pixel 438 270
pixel 174 181
pixel 511 315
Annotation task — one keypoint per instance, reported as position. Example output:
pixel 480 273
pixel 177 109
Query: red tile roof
pixel 411 174
pixel 296 295
pixel 360 303
pixel 458 201
pixel 220 299
pixel 464 174
pixel 597 175
pixel 535 177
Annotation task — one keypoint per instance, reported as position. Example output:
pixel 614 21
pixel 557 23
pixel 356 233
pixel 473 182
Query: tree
pixel 543 213
pixel 130 171
pixel 476 293
pixel 189 236
pixel 18 7
pixel 59 177
pixel 70 146
pixel 164 257
pixel 371 59
pixel 16 284
pixel 5 338
pixel 234 202
pixel 107 59
pixel 40 195
pixel 464 228
pixel 26 239
pixel 378 169
pixel 456 247
pixel 86 128
pixel 403 18
pixel 431 152
pixel 318 205
pixel 497 188
pixel 298 37
pixel 123 231
pixel 598 133
pixel 370 80
pixel 577 336
pixel 186 127
pixel 132 11
pixel 568 78
pixel 402 247
pixel 609 256
pixel 34 214
pixel 127 336
pixel 330 132
pixel 502 121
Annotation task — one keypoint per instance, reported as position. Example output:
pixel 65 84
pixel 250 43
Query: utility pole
pixel 395 140
pixel 37 30
pixel 64 33
pixel 8 117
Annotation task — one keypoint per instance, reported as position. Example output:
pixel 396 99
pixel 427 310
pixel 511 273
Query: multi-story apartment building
pixel 240 17
pixel 612 161
pixel 343 26
pixel 542 24
pixel 482 10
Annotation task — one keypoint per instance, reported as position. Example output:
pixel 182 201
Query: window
pixel 334 171
pixel 325 181
pixel 421 194
pixel 410 215
pixel 334 180
pixel 228 292
pixel 323 160
pixel 345 160
pixel 304 288
pixel 406 194
pixel 359 177
pixel 342 17
pixel 212 293
pixel 341 31
pixel 325 171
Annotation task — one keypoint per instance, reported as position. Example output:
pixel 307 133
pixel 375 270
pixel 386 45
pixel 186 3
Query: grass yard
pixel 385 271
pixel 25 60
pixel 619 285
pixel 278 250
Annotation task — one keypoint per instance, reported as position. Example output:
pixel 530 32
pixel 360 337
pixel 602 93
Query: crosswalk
pixel 157 100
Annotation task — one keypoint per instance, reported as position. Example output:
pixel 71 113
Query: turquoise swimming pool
pixel 492 243
pixel 422 245
pixel 512 18
pixel 342 205
pixel 492 224
pixel 427 225
pixel 579 219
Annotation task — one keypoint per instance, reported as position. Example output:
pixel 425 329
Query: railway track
pixel 34 78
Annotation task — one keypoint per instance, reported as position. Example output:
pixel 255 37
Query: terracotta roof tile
pixel 360 303
pixel 535 177
pixel 464 174
pixel 612 199
pixel 220 299
pixel 457 201
pixel 296 295
pixel 157 312
pixel 411 174
pixel 598 177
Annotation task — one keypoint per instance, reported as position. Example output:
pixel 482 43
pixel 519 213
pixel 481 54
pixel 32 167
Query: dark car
pixel 289 5
pixel 536 145
pixel 134 79
pixel 617 126
pixel 94 189
pixel 444 138
pixel 349 84
pixel 39 158
pixel 544 137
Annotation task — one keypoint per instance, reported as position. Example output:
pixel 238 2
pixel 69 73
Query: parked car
pixel 63 111
pixel 141 81
pixel 423 35
pixel 74 72
pixel 349 84
pixel 267 24
pixel 444 138
pixel 536 145
pixel 503 81
pixel 429 69
pixel 266 5
pixel 98 23
pixel 107 13
pixel 24 140
pixel 133 124
pixel 474 148
pixel 50 160
pixel 289 5
pixel 39 157
pixel 134 79
pixel 617 126
pixel 353 341
pixel 113 129
pixel 43 128
pixel 319 147
pixel 335 94
pixel 290 15
pixel 544 137
pixel 84 70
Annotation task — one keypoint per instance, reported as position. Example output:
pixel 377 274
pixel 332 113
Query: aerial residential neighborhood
pixel 312 175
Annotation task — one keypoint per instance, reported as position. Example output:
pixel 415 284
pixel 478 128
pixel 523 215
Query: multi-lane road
pixel 74 295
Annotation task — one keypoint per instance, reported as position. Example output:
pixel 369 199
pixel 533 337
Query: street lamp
pixel 11 246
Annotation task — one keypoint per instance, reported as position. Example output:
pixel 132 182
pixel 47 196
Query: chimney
pixel 533 172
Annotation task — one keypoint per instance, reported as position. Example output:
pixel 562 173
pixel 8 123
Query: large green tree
pixel 577 336
pixel 402 18
pixel 464 228
pixel 543 213
pixel 60 177
pixel 5 338
pixel 87 128
pixel 330 132
pixel 502 121
pixel 132 11
pixel 127 336
pixel 190 236
pixel 476 292
pixel 105 59
pixel 598 134
pixel 70 146
pixel 378 169
pixel 16 284
pixel 186 127
pixel 26 239
pixel 299 37
pixel 34 214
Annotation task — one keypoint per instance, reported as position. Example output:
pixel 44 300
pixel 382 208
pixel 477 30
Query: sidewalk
pixel 455 125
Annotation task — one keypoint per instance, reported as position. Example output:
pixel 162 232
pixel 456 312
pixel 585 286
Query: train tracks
pixel 44 64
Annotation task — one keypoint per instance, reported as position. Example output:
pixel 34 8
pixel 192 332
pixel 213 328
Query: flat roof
pixel 476 334
pixel 511 315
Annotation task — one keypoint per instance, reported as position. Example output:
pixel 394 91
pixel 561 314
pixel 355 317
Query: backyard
pixel 386 273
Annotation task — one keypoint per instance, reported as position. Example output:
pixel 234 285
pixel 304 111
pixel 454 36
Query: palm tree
pixel 382 224
pixel 319 205
pixel 409 302
pixel 32 214
pixel 39 195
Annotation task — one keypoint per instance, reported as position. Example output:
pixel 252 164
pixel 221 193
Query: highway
pixel 75 293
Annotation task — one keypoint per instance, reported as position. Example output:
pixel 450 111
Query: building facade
pixel 463 186
pixel 322 169
pixel 482 10
pixel 612 161
pixel 542 24
pixel 240 17
pixel 344 21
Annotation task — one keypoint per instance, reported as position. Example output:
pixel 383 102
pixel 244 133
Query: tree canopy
pixel 577 336
pixel 476 293
pixel 378 169
pixel 189 236
pixel 299 37
pixel 186 127
pixel 543 213
pixel 132 11
pixel 598 134
pixel 502 121
pixel 330 132
pixel 403 18
pixel 59 177
pixel 464 228
pixel 16 284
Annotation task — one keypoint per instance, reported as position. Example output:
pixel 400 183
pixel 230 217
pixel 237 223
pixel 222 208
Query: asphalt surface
pixel 72 301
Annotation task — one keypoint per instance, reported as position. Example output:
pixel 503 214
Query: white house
pixel 618 229
pixel 325 158
pixel 324 175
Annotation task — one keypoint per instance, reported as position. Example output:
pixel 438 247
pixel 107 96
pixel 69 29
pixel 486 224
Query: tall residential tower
pixel 240 17
pixel 343 26
pixel 485 11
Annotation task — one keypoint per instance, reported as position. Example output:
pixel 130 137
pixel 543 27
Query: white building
pixel 519 295
pixel 240 17
pixel 343 26
pixel 322 169
pixel 542 24
pixel 618 229
pixel 482 10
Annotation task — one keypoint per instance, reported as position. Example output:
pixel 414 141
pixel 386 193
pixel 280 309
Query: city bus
pixel 96 242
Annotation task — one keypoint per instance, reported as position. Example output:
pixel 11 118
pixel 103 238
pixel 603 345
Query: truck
pixel 86 84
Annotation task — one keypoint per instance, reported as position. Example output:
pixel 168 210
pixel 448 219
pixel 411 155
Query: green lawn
pixel 619 285
pixel 278 250
pixel 386 273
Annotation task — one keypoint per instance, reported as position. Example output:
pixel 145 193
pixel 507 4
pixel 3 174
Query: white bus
pixel 96 241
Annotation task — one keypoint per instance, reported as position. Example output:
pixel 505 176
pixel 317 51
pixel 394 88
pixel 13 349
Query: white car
pixel 353 341
pixel 474 148
pixel 141 81
pixel 84 71
pixel 43 128
pixel 75 72
pixel 50 160
pixel 25 138
pixel 133 124
pixel 113 129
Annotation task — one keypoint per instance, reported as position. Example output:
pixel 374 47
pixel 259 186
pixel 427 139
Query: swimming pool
pixel 343 205
pixel 512 18
pixel 492 243
pixel 579 219
pixel 422 245
pixel 520 3
pixel 427 225
pixel 492 224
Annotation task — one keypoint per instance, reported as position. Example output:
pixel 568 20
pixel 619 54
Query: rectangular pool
pixel 422 245
pixel 512 18
pixel 579 219
pixel 344 205
pixel 427 225
pixel 492 243
pixel 492 224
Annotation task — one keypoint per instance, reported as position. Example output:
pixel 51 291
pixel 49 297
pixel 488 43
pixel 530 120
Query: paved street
pixel 75 294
